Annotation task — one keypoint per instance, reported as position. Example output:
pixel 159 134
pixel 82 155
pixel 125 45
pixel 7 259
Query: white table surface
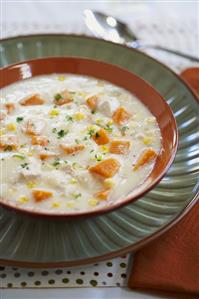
pixel 69 13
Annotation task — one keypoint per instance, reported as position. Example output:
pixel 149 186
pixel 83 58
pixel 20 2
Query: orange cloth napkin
pixel 171 262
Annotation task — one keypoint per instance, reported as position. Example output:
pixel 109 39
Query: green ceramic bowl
pixel 39 243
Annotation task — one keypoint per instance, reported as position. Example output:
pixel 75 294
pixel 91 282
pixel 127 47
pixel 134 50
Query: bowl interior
pixel 123 78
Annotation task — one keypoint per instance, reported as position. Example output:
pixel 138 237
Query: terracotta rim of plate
pixel 121 77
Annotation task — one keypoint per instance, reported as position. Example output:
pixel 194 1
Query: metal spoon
pixel 109 28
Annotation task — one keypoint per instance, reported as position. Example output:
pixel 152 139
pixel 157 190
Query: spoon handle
pixel 192 58
pixel 175 52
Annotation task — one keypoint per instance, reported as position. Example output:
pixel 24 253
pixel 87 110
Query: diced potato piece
pixel 109 183
pixel 147 156
pixel 39 140
pixel 47 155
pixel 121 115
pixel 10 107
pixel 8 142
pixel 107 168
pixel 34 99
pixel 103 194
pixel 101 137
pixel 92 102
pixel 72 149
pixel 120 147
pixel 34 126
pixel 3 115
pixel 62 98
pixel 40 195
pixel 108 105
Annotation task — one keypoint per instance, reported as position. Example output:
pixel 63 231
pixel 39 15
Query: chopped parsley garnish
pixel 25 165
pixel 108 128
pixel 91 132
pixel 91 151
pixel 8 148
pixel 19 119
pixel 69 118
pixel 58 96
pixel 54 130
pixel 77 141
pixel 85 138
pixel 98 157
pixel 56 162
pixel 93 111
pixel 76 195
pixel 62 133
pixel 19 156
pixel 124 129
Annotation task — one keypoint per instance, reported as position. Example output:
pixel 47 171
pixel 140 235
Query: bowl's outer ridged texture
pixel 77 241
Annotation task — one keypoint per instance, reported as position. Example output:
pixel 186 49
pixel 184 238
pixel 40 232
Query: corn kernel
pixel 110 122
pixel 99 121
pixel 79 116
pixel 73 181
pixel 55 204
pixel 109 183
pixel 30 154
pixel 93 202
pixel 147 140
pixel 31 185
pixel 104 148
pixel 54 112
pixel 23 199
pixel 61 78
pixel 2 132
pixel 11 127
pixel 70 204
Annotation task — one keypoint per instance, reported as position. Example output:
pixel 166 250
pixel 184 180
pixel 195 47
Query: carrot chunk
pixel 34 99
pixel 120 147
pixel 103 194
pixel 146 157
pixel 92 102
pixel 101 137
pixel 10 107
pixel 107 168
pixel 40 195
pixel 62 98
pixel 47 155
pixel 8 142
pixel 72 149
pixel 39 140
pixel 121 115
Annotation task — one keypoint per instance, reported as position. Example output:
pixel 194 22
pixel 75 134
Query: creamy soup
pixel 73 143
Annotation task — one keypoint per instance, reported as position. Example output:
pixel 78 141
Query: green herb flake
pixel 124 128
pixel 58 96
pixel 69 118
pixel 8 148
pixel 91 132
pixel 56 162
pixel 76 195
pixel 108 128
pixel 62 133
pixel 24 165
pixel 54 130
pixel 19 119
pixel 19 156
pixel 98 157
